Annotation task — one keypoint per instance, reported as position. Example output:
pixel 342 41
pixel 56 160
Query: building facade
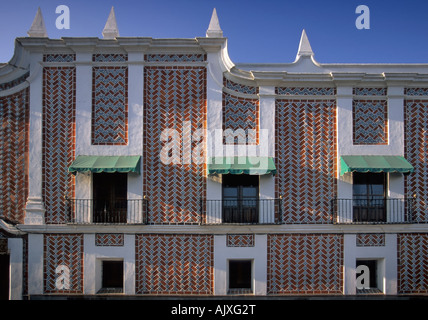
pixel 141 166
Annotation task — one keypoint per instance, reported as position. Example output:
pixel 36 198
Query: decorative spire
pixel 214 30
pixel 304 46
pixel 110 29
pixel 38 28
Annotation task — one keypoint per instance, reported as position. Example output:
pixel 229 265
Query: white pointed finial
pixel 304 46
pixel 214 30
pixel 110 29
pixel 38 28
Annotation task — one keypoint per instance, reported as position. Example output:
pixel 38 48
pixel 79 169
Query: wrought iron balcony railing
pixel 128 211
pixel 372 210
pixel 241 211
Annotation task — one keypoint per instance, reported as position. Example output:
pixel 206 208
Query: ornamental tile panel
pixel 240 240
pixel 174 264
pixel 58 123
pixel 370 122
pixel 305 264
pixel 174 99
pixel 415 151
pixel 241 115
pixel 109 239
pixel 370 91
pixel 14 146
pixel 305 158
pixel 305 91
pixel 110 106
pixel 412 263
pixel 370 240
pixel 63 257
pixel 191 57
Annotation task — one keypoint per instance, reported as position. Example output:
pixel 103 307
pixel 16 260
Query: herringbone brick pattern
pixel 415 151
pixel 14 130
pixel 238 87
pixel 174 264
pixel 370 240
pixel 173 95
pixel 240 240
pixel 109 239
pixel 110 106
pixel 191 57
pixel 60 57
pixel 370 122
pixel 412 263
pixel 59 104
pixel 305 264
pixel 305 91
pixel 305 132
pixel 241 113
pixel 66 250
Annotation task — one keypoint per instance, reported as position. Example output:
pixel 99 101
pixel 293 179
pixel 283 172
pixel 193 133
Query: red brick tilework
pixel 241 115
pixel 14 82
pixel 109 239
pixel 63 250
pixel 60 57
pixel 109 57
pixel 370 122
pixel 305 264
pixel 191 57
pixel 110 106
pixel 415 151
pixel 238 87
pixel 173 96
pixel 240 240
pixel 370 239
pixel 412 263
pixel 59 107
pixel 305 148
pixel 174 264
pixel 14 130
pixel 305 91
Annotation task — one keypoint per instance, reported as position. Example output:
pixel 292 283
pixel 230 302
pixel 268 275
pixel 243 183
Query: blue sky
pixel 262 31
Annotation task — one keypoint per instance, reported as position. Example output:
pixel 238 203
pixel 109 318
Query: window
pixel 240 276
pixel 369 191
pixel 112 276
pixel 110 194
pixel 371 278
pixel 240 198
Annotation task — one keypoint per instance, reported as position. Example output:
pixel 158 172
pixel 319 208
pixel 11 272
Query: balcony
pixel 373 211
pixel 246 212
pixel 102 211
pixel 241 211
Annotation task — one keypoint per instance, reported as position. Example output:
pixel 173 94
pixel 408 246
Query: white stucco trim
pixel 94 255
pixel 387 263
pixel 258 255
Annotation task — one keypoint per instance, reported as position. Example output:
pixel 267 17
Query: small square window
pixel 240 276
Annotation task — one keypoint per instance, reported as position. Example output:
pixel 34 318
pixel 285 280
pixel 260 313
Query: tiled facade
pixel 305 264
pixel 174 264
pixel 155 98
pixel 58 151
pixel 305 132
pixel 175 99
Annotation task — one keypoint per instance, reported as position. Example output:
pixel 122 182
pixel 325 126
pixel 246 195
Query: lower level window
pixel 112 276
pixel 240 276
pixel 367 279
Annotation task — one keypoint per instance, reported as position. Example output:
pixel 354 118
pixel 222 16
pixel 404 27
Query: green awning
pixel 375 164
pixel 110 164
pixel 242 165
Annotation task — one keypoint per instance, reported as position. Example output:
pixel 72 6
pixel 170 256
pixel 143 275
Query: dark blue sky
pixel 262 31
